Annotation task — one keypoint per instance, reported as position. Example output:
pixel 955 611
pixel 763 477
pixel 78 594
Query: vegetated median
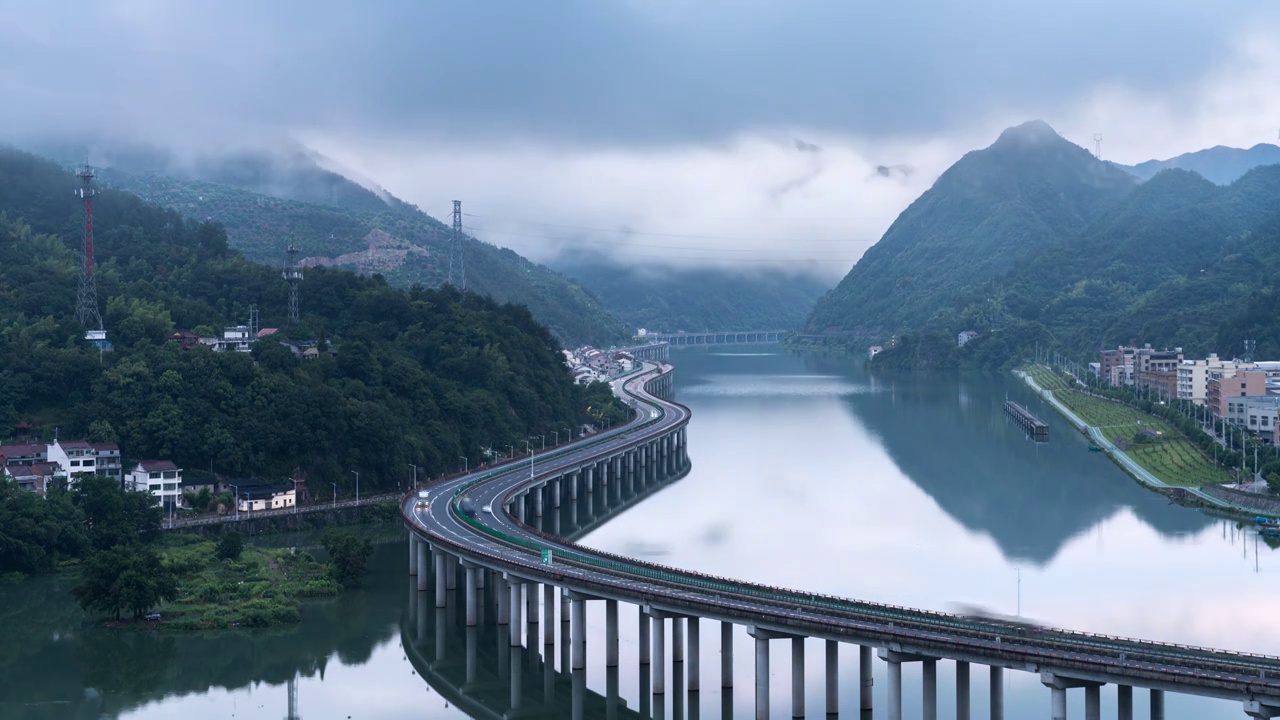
pixel 1150 441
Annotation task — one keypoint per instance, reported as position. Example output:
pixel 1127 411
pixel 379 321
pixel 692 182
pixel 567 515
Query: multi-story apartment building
pixel 1224 394
pixel 161 478
pixel 74 457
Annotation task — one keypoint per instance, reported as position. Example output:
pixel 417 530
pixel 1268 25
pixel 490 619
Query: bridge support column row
pixel 413 554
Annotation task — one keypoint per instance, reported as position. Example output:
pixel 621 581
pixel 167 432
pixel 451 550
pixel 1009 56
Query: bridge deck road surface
pixel 1080 655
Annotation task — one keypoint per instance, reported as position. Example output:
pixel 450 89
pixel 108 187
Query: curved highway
pixel 497 540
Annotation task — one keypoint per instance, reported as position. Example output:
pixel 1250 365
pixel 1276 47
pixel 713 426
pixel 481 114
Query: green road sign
pixel 546 557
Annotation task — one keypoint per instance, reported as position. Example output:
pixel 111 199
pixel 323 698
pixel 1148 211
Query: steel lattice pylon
pixel 457 263
pixel 87 298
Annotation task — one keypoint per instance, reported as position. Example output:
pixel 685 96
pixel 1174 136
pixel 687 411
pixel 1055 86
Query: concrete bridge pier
pixel 963 705
pixel 1258 709
pixel 519 508
pixel 573 485
pixel 659 664
pixel 413 554
pixel 531 605
pixel 644 637
pixel 1157 704
pixel 515 627
pixel 1124 702
pixel 442 583
pixel 537 501
pixel 694 655
pixel 797 677
pixel 578 630
pixel 504 600
pixel 677 641
pixel 894 660
pixel 726 654
pixel 473 593
pixel 424 562
pixel 588 479
pixel 548 615
pixel 997 693
pixel 865 679
pixel 611 633
pixel 762 676
pixel 833 677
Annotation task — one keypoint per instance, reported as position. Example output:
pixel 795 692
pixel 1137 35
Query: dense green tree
pixel 124 578
pixel 419 376
pixel 230 545
pixel 115 517
pixel 348 555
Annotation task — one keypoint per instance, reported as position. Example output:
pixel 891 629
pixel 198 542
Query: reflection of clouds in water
pixel 774 386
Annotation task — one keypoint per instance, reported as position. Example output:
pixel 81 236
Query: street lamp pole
pixel 237 499
pixel 335 493
pixel 465 464
pixel 357 474
pixel 555 435
pixel 529 447
pixel 415 475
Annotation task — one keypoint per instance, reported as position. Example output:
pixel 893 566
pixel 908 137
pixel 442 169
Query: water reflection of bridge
pixel 479 671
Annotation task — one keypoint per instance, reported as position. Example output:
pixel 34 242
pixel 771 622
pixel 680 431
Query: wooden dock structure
pixel 1033 425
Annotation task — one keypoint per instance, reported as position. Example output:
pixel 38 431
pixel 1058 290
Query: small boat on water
pixel 1267 522
pixel 1094 448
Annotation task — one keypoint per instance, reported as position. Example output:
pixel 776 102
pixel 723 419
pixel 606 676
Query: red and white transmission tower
pixel 87 300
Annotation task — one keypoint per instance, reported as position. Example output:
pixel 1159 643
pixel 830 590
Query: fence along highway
pixel 477 522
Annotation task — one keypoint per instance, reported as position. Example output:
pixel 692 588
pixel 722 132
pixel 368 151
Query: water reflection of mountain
pixel 950 437
pixel 58 664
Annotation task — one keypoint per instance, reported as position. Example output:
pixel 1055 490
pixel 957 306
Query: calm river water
pixel 806 473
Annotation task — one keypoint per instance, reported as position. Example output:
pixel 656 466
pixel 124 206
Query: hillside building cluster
pixel 589 364
pixel 241 338
pixel 37 467
pixel 1244 393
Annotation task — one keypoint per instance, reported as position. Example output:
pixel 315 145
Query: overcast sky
pixel 664 117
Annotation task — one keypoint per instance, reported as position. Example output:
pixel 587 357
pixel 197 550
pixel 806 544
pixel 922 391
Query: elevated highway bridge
pixel 480 531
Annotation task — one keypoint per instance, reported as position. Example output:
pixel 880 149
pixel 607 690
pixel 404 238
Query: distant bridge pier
pixel 473 593
pixel 894 660
pixel 963 706
pixel 997 692
pixel 1255 709
pixel 1124 702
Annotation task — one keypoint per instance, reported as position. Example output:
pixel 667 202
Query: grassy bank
pixel 1169 456
pixel 261 587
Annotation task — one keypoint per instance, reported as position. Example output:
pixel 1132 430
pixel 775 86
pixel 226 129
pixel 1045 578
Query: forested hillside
pixel 697 300
pixel 992 211
pixel 419 376
pixel 266 202
pixel 1179 262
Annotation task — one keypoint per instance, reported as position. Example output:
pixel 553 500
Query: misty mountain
pixel 988 213
pixel 1179 261
pixel 1220 165
pixel 695 300
pixel 266 200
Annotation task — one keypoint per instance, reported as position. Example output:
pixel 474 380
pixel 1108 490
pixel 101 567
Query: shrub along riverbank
pixel 255 587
